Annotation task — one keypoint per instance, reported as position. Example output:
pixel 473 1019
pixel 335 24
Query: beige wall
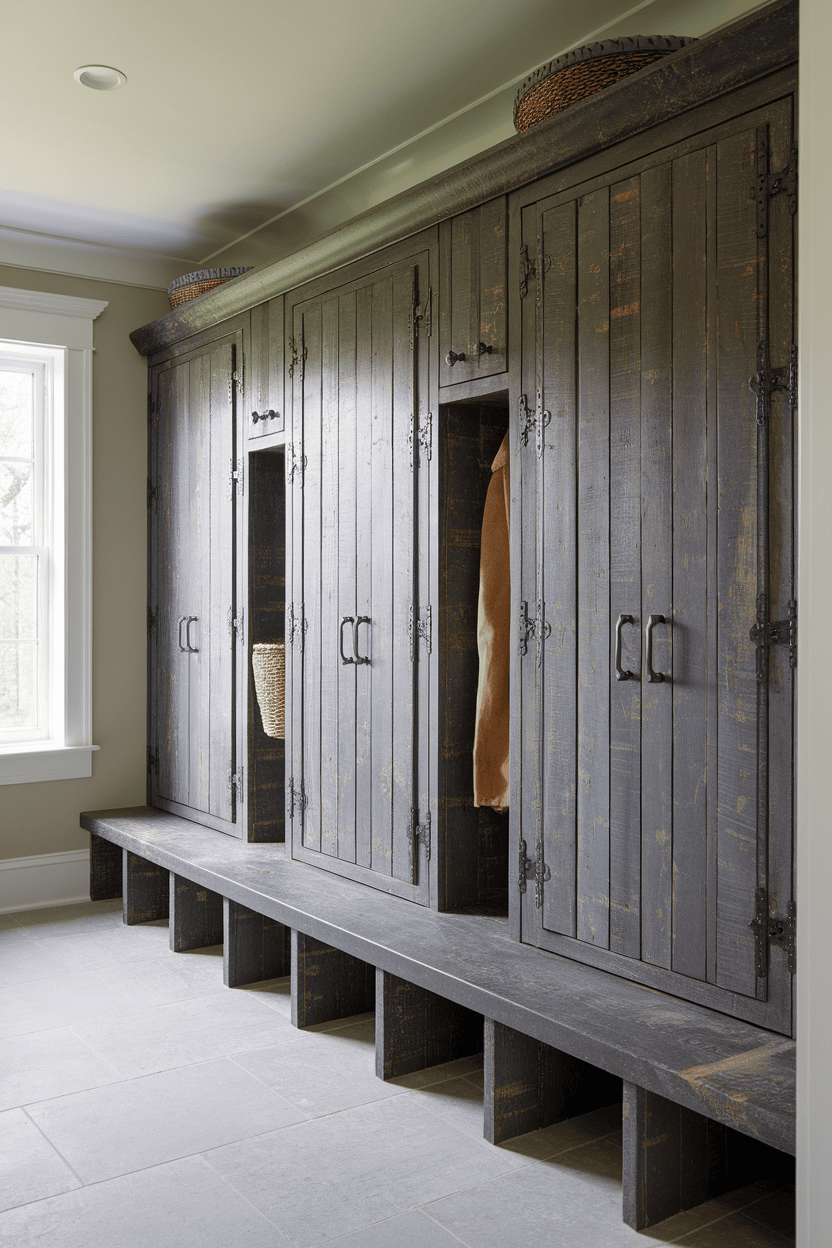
pixel 43 818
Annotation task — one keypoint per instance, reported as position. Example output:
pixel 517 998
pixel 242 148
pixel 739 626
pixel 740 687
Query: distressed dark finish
pixel 472 843
pixel 719 1066
pixel 145 890
pixel 473 304
pixel 675 1159
pixel 106 865
pixel 264 414
pixel 327 983
pixel 195 915
pixel 704 70
pixel 529 1085
pixel 254 947
pixel 416 1029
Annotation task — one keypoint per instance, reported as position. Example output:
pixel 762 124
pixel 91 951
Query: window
pixel 45 535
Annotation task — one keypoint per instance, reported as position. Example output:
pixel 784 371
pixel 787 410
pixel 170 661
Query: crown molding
pixel 40 301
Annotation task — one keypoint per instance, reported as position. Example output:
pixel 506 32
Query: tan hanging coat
pixel 491 778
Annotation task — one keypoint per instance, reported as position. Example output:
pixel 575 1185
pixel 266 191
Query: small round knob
pixel 484 350
pixel 255 416
pixel 452 357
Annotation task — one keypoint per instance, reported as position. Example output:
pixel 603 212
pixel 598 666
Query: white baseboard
pixel 44 880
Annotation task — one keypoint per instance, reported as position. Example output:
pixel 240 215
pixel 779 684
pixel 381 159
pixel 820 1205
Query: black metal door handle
pixel 452 357
pixel 620 673
pixel 348 619
pixel 192 619
pixel 654 678
pixel 362 619
pixel 182 620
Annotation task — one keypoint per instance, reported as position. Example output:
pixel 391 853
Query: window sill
pixel 29 762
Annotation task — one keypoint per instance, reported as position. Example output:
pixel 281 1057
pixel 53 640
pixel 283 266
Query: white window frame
pixel 37 319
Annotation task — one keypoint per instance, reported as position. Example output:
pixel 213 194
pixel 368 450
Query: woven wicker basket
pixel 268 663
pixel 583 71
pixel 192 285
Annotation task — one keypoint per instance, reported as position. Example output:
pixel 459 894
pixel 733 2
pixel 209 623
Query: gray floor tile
pixel 30 1169
pixel 322 1073
pixel 349 1170
pixel 144 1122
pixel 25 960
pixel 456 1101
pixel 8 922
pixel 408 1230
pixel 185 1032
pixel 109 943
pixel 170 977
pixel 776 1211
pixel 563 1136
pixel 276 993
pixel 80 917
pixel 435 1074
pixel 735 1231
pixel 179 1205
pixel 61 1002
pixel 49 1063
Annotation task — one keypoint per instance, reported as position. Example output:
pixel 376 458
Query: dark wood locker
pixel 359 385
pixel 653 760
pixel 473 304
pixel 264 411
pixel 194 482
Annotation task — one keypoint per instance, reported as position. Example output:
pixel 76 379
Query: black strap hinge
pixel 298 358
pixel 770 184
pixel 298 625
pixel 235 782
pixel 533 869
pixel 296 798
pixel 772 929
pixel 767 381
pixel 419 835
pixel 419 626
pixel 767 633
pixel 295 463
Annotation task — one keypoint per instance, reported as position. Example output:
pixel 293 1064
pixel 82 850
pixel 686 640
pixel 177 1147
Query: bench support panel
pixel 326 983
pixel 195 915
pixel 530 1085
pixel 416 1028
pixel 145 890
pixel 105 869
pixel 255 947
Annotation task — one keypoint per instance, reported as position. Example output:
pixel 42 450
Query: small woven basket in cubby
pixel 268 662
pixel 192 285
pixel 583 71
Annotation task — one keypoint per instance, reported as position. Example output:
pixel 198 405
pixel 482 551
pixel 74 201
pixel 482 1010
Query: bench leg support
pixel 105 868
pixel 416 1028
pixel 326 983
pixel 195 915
pixel 529 1085
pixel 145 890
pixel 254 948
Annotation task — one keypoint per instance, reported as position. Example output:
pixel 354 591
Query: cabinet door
pixel 473 294
pixel 355 385
pixel 192 651
pixel 264 412
pixel 663 514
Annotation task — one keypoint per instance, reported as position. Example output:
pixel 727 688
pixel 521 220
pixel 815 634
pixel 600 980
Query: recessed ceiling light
pixel 100 77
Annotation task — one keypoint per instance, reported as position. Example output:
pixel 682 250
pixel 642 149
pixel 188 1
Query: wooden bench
pixel 705 1097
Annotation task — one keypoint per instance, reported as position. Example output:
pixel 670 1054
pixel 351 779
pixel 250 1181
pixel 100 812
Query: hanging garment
pixel 491 776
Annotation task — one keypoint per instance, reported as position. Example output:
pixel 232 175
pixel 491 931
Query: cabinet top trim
pixel 702 71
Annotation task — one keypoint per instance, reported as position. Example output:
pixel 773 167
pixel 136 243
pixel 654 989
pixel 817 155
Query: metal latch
pixel 773 930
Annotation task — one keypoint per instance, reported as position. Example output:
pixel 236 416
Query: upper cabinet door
pixel 474 323
pixel 193 652
pixel 659 549
pixel 264 413
pixel 357 373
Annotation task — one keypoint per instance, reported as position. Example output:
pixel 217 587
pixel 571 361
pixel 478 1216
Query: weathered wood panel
pixel 255 947
pixel 308 341
pixel 105 869
pixel 327 983
pixel 345 574
pixel 364 589
pixel 416 1029
pixel 145 890
pixel 473 303
pixel 327 605
pixel 195 915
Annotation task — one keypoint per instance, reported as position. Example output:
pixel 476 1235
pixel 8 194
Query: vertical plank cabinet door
pixel 473 312
pixel 263 411
pixel 358 364
pixel 194 659
pixel 655 829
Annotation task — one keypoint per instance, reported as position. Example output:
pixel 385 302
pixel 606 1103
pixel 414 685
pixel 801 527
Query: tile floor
pixel 144 1104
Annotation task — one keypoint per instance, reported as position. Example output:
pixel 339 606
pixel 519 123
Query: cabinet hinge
pixel 424 438
pixel 529 420
pixel 424 314
pixel 235 382
pixel 530 268
pixel 296 798
pixel 235 479
pixel 768 632
pixel 235 782
pixel 419 835
pixel 772 929
pixel 421 626
pixel 295 464
pixel 298 625
pixel 533 626
pixel 151 619
pixel 767 380
pixel 533 869
pixel 151 495
pixel 298 359
pixel 770 184
pixel 236 624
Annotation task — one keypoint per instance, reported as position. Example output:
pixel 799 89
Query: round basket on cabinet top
pixel 583 71
pixel 192 285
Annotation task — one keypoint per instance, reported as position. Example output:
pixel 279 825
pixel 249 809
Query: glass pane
pixel 18 597
pixel 18 685
pixel 16 504
pixel 17 419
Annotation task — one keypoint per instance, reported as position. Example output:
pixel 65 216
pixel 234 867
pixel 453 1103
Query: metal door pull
pixel 192 619
pixel 348 619
pixel 362 619
pixel 182 620
pixel 620 673
pixel 653 677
